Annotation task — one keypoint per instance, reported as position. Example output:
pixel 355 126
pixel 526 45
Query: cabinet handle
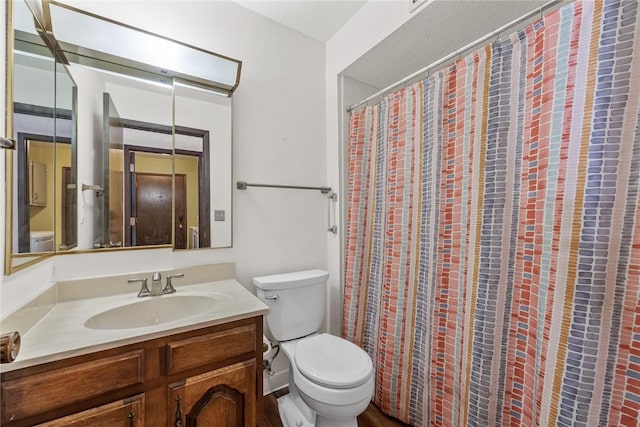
pixel 132 416
pixel 178 422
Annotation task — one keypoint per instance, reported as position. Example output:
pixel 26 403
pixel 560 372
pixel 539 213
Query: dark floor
pixel 372 417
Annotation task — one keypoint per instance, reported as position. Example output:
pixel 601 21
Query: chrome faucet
pixel 156 284
pixel 144 291
pixel 168 288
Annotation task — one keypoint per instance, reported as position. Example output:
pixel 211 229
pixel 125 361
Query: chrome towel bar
pixel 242 185
pixel 332 197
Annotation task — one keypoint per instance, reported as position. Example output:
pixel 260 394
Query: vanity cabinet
pixel 225 397
pixel 208 376
pixel 127 412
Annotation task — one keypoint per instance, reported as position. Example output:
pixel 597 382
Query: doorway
pixel 152 210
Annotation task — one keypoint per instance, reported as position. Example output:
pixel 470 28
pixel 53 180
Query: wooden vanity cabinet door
pixel 225 397
pixel 123 413
pixel 26 395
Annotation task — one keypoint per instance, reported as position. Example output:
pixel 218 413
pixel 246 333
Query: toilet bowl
pixel 331 380
pixel 332 376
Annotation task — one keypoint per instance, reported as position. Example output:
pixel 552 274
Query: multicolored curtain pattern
pixel 493 230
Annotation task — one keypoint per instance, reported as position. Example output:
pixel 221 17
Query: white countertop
pixel 61 333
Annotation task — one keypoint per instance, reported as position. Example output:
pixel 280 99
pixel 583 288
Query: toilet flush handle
pixel 274 296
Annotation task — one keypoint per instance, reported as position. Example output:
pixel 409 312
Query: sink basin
pixel 151 311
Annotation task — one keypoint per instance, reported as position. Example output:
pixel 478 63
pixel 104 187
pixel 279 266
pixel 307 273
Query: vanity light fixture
pixel 81 36
pixel 191 85
pixel 159 82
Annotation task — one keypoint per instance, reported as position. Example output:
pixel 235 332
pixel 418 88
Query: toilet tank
pixel 296 301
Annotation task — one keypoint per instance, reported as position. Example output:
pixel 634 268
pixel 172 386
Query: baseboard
pixel 276 382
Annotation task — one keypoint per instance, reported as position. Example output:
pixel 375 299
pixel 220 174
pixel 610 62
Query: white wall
pixel 278 134
pixel 373 22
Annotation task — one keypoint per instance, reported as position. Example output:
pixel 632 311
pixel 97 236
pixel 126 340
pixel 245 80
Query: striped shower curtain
pixel 492 263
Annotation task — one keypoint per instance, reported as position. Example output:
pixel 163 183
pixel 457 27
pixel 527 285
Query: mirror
pixel 153 137
pixel 145 180
pixel 121 119
pixel 41 188
pixel 203 132
pixel 159 115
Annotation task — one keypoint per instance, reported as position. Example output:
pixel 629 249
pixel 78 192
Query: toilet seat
pixel 332 362
pixel 331 395
pixel 328 395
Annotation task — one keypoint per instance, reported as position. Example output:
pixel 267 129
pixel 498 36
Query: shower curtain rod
pixel 460 51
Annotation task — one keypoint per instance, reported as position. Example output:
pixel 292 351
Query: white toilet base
pixel 291 416
pixel 330 422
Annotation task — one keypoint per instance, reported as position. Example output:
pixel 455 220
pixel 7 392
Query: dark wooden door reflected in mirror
pixel 152 208
pixel 148 197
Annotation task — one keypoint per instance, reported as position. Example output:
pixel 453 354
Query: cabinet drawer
pixel 39 393
pixel 128 412
pixel 216 347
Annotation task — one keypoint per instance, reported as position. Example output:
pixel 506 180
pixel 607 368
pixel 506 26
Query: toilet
pixel 330 379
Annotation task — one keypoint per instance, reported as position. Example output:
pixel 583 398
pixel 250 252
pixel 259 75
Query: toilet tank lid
pixel 296 279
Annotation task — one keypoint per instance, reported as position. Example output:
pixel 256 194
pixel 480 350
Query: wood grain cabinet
pixel 126 413
pixel 204 377
pixel 225 397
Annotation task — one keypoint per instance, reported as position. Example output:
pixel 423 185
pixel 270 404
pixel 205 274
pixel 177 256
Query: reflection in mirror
pixel 43 125
pixel 120 114
pixel 146 153
pixel 118 193
pixel 129 201
pixel 152 194
pixel 110 214
pixel 203 128
pixel 66 162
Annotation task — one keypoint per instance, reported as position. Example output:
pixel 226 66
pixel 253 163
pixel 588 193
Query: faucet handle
pixel 168 288
pixel 144 290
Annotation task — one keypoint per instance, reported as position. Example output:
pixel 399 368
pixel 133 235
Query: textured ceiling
pixel 318 19
pixel 440 28
pixel 437 29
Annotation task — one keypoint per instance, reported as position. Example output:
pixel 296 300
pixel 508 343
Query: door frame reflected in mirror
pixel 204 173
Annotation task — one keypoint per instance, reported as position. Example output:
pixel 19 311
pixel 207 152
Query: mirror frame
pixel 9 268
pixel 8 159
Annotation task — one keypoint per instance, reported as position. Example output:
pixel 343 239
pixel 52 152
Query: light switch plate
pixel 218 215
